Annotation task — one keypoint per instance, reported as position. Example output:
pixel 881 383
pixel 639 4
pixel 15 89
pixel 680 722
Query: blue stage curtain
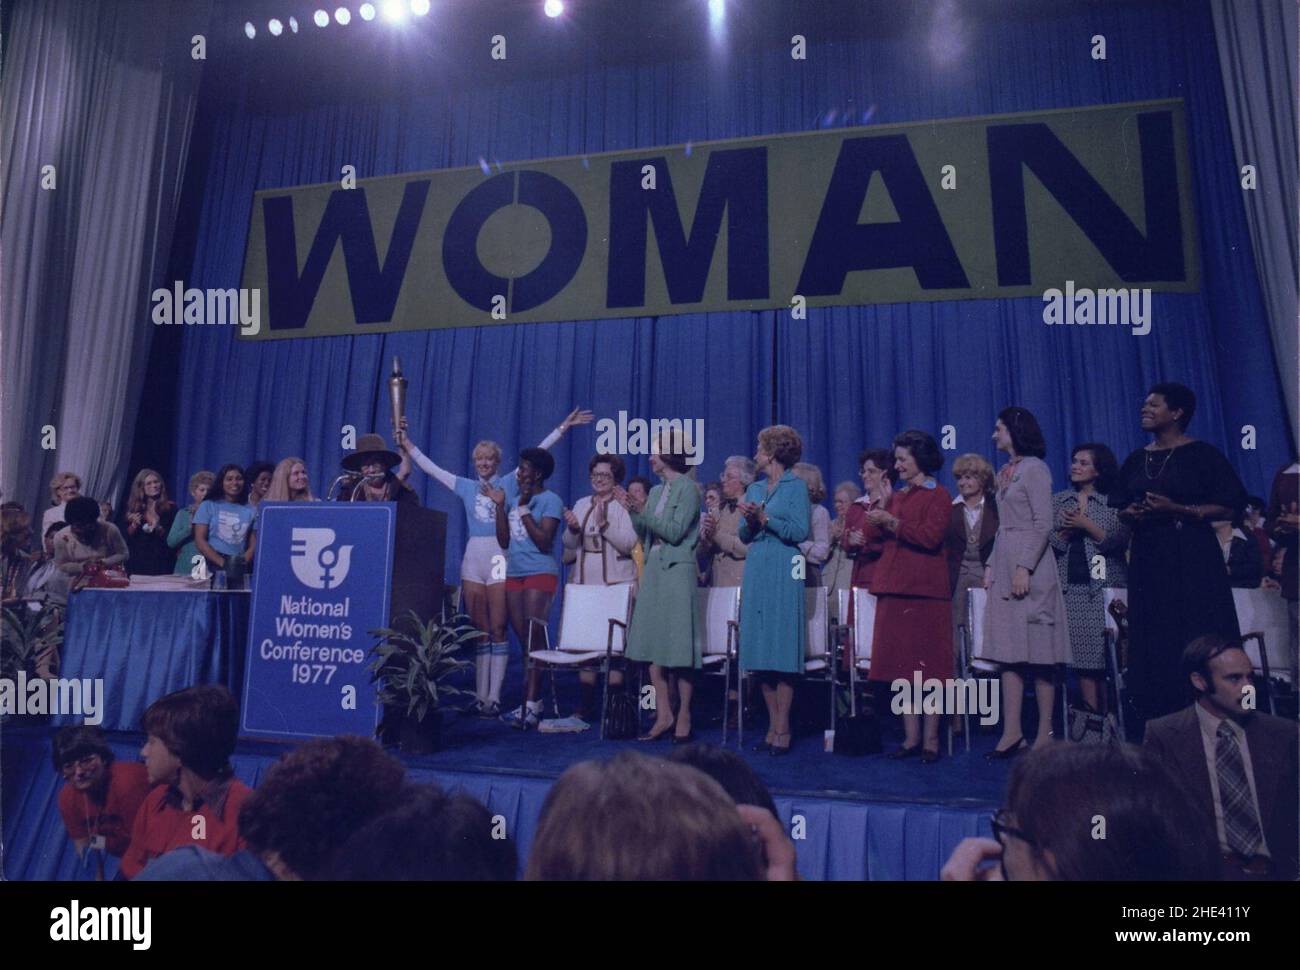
pixel 147 644
pixel 853 377
pixel 846 377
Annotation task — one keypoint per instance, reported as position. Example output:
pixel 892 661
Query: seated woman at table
pixel 181 533
pixel 148 520
pixel 86 540
pixel 289 482
pixel 224 529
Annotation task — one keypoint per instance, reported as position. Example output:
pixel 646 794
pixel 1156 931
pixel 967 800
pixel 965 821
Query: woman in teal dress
pixel 775 519
pixel 662 632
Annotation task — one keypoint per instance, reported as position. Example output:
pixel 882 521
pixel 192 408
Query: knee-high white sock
pixel 482 670
pixel 497 673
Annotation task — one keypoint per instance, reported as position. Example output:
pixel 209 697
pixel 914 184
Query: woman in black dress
pixel 1169 492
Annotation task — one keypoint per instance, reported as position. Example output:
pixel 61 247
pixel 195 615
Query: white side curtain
pixel 1257 53
pixel 105 93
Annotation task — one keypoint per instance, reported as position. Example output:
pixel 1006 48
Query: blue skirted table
pixel 147 643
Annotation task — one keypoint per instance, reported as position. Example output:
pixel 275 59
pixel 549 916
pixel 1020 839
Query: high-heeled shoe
pixel 929 757
pixel 1002 754
pixel 762 747
pixel 777 750
pixel 658 735
pixel 686 738
pixel 904 752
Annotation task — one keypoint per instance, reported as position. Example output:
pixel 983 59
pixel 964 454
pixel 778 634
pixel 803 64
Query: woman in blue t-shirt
pixel 223 528
pixel 527 520
pixel 482 569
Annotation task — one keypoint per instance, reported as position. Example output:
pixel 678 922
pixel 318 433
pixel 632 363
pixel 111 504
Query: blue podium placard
pixel 321 583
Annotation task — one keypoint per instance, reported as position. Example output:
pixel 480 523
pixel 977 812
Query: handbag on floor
pixel 856 736
pixel 1088 727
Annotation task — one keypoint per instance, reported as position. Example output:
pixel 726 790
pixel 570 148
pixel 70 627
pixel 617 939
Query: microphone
pixel 346 476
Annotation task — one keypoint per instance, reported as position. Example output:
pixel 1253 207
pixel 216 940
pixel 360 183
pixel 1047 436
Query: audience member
pixel 311 802
pixel 639 819
pixel 816 549
pixel 64 487
pixel 197 798
pixel 1239 766
pixel 100 796
pixel 1063 798
pixel 429 836
pixel 729 770
pixel 1240 554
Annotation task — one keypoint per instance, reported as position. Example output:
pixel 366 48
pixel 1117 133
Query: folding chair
pixel 1264 613
pixel 819 649
pixel 1113 604
pixel 717 617
pixel 861 631
pixel 590 616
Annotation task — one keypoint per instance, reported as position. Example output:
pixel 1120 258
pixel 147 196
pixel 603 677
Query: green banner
pixel 969 208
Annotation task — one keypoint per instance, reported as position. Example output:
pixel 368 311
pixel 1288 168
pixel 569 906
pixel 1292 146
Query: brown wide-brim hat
pixel 370 447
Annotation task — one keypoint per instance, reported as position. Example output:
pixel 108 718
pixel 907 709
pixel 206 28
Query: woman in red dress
pixel 913 596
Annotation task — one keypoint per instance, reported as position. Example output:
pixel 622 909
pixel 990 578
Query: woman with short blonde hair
pixel 64 487
pixel 977 465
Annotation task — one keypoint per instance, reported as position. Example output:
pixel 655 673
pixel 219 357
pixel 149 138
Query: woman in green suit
pixel 663 624
pixel 775 519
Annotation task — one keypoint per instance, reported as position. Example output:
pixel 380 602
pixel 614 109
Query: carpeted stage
pixel 864 818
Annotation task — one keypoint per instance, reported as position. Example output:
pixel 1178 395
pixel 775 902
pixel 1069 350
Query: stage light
pixel 717 11
pixel 322 18
pixel 367 11
pixel 394 11
pixel 343 16
pixel 293 24
pixel 275 27
pixel 250 31
pixel 553 8
pixel 419 7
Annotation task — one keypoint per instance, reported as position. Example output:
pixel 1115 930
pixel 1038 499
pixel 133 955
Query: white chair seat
pixel 713 659
pixel 566 658
pixel 812 666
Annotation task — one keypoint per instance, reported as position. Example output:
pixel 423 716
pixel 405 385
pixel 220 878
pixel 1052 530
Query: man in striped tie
pixel 1238 765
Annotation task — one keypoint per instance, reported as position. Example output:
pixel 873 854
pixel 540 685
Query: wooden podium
pixel 419 552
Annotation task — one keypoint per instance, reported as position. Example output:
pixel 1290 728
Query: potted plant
pixel 412 669
pixel 29 640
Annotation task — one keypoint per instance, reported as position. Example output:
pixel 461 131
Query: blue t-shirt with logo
pixel 480 510
pixel 523 556
pixel 228 525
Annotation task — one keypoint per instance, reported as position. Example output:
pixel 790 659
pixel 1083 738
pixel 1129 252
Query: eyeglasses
pixel 601 477
pixel 85 763
pixel 1002 827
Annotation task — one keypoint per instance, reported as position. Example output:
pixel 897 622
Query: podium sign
pixel 321 583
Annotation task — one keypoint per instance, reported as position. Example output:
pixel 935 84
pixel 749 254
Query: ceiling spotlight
pixel 250 31
pixel 553 8
pixel 394 11
pixel 367 11
pixel 343 15
pixel 419 7
pixel 293 24
pixel 322 18
pixel 275 27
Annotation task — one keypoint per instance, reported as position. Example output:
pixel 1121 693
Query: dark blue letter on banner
pixel 1159 256
pixel 734 180
pixel 545 193
pixel 347 221
pixel 919 240
pixel 321 585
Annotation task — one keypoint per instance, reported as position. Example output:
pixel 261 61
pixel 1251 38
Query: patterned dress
pixel 1084 599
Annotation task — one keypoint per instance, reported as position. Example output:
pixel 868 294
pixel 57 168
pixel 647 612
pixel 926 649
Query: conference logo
pixel 315 559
